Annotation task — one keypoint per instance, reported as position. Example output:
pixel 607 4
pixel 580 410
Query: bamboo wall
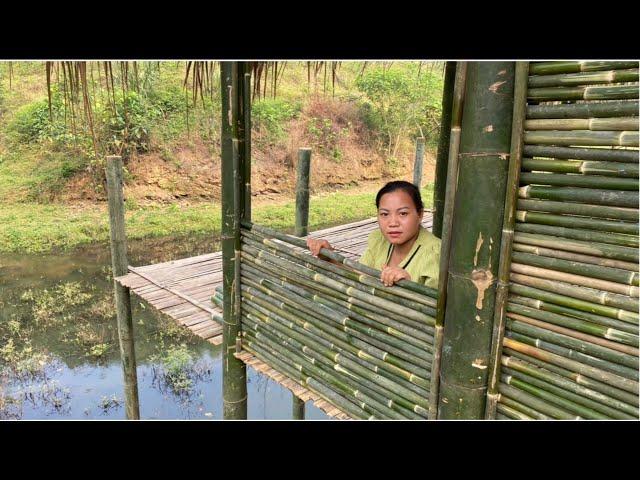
pixel 364 347
pixel 570 347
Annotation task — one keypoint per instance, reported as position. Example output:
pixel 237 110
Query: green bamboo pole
pixel 629 401
pixel 598 401
pixel 361 279
pixel 506 402
pixel 610 169
pixel 552 398
pixel 346 338
pixel 362 282
pixel 608 372
pixel 476 227
pixel 595 271
pixel 601 211
pixel 418 162
pixel 301 230
pixel 507 413
pixel 353 348
pixel 599 347
pixel 597 284
pixel 536 403
pixel 288 356
pixel 584 195
pixel 577 222
pixel 582 137
pixel 317 343
pixel 312 370
pixel 584 181
pixel 610 92
pixel 298 242
pixel 511 195
pixel 314 347
pixel 568 363
pixel 576 257
pixel 581 110
pixel 589 317
pixel 573 296
pixel 603 250
pixel 302 192
pixel 269 357
pixel 371 340
pixel 337 297
pixel 412 358
pixel 273 341
pixel 246 161
pixel 579 234
pixel 234 385
pixel 408 334
pixel 588 78
pixel 321 367
pixel 593 124
pixel 119 265
pixel 552 68
pixel 598 154
pixel 402 332
pixel 393 307
pixel 442 160
pixel 377 293
pixel 449 197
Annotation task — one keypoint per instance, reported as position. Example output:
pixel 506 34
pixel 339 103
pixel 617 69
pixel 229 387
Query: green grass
pixel 36 228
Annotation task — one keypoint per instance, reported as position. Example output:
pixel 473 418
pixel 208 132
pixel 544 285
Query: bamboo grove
pixel 536 312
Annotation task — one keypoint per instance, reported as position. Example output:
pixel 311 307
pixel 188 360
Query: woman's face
pixel 398 218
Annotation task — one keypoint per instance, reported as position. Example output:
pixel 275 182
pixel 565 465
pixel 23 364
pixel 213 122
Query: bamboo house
pixel 536 311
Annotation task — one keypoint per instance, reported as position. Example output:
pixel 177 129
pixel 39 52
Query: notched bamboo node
pixel 479 363
pixel 481 279
pixel 494 86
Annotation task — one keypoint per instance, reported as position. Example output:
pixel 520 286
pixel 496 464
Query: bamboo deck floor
pixel 182 289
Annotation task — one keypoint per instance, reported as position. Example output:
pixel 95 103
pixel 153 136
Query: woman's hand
pixel 316 244
pixel 391 275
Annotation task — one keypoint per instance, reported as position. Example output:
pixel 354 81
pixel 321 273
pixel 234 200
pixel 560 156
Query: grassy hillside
pixel 361 128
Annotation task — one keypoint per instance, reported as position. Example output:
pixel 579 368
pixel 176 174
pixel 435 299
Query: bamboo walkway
pixel 182 289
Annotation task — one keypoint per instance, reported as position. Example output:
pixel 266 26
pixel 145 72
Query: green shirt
pixel 422 262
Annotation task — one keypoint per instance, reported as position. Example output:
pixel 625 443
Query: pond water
pixel 59 352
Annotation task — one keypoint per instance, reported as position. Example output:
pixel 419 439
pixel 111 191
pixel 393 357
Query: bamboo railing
pixel 570 345
pixel 336 329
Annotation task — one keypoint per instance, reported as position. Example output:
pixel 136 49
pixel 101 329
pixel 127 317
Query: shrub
pixel 399 102
pixel 270 116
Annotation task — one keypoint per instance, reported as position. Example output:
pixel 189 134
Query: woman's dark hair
pixel 409 188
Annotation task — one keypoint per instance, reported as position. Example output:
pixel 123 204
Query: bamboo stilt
pixel 119 265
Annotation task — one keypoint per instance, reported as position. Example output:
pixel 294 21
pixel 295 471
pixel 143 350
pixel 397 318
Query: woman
pixel 401 248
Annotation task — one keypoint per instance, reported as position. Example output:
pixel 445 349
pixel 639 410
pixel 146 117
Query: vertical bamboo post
pixel 418 162
pixel 447 218
pixel 476 234
pixel 515 161
pixel 120 267
pixel 440 183
pixel 302 192
pixel 234 384
pixel 301 230
pixel 246 116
